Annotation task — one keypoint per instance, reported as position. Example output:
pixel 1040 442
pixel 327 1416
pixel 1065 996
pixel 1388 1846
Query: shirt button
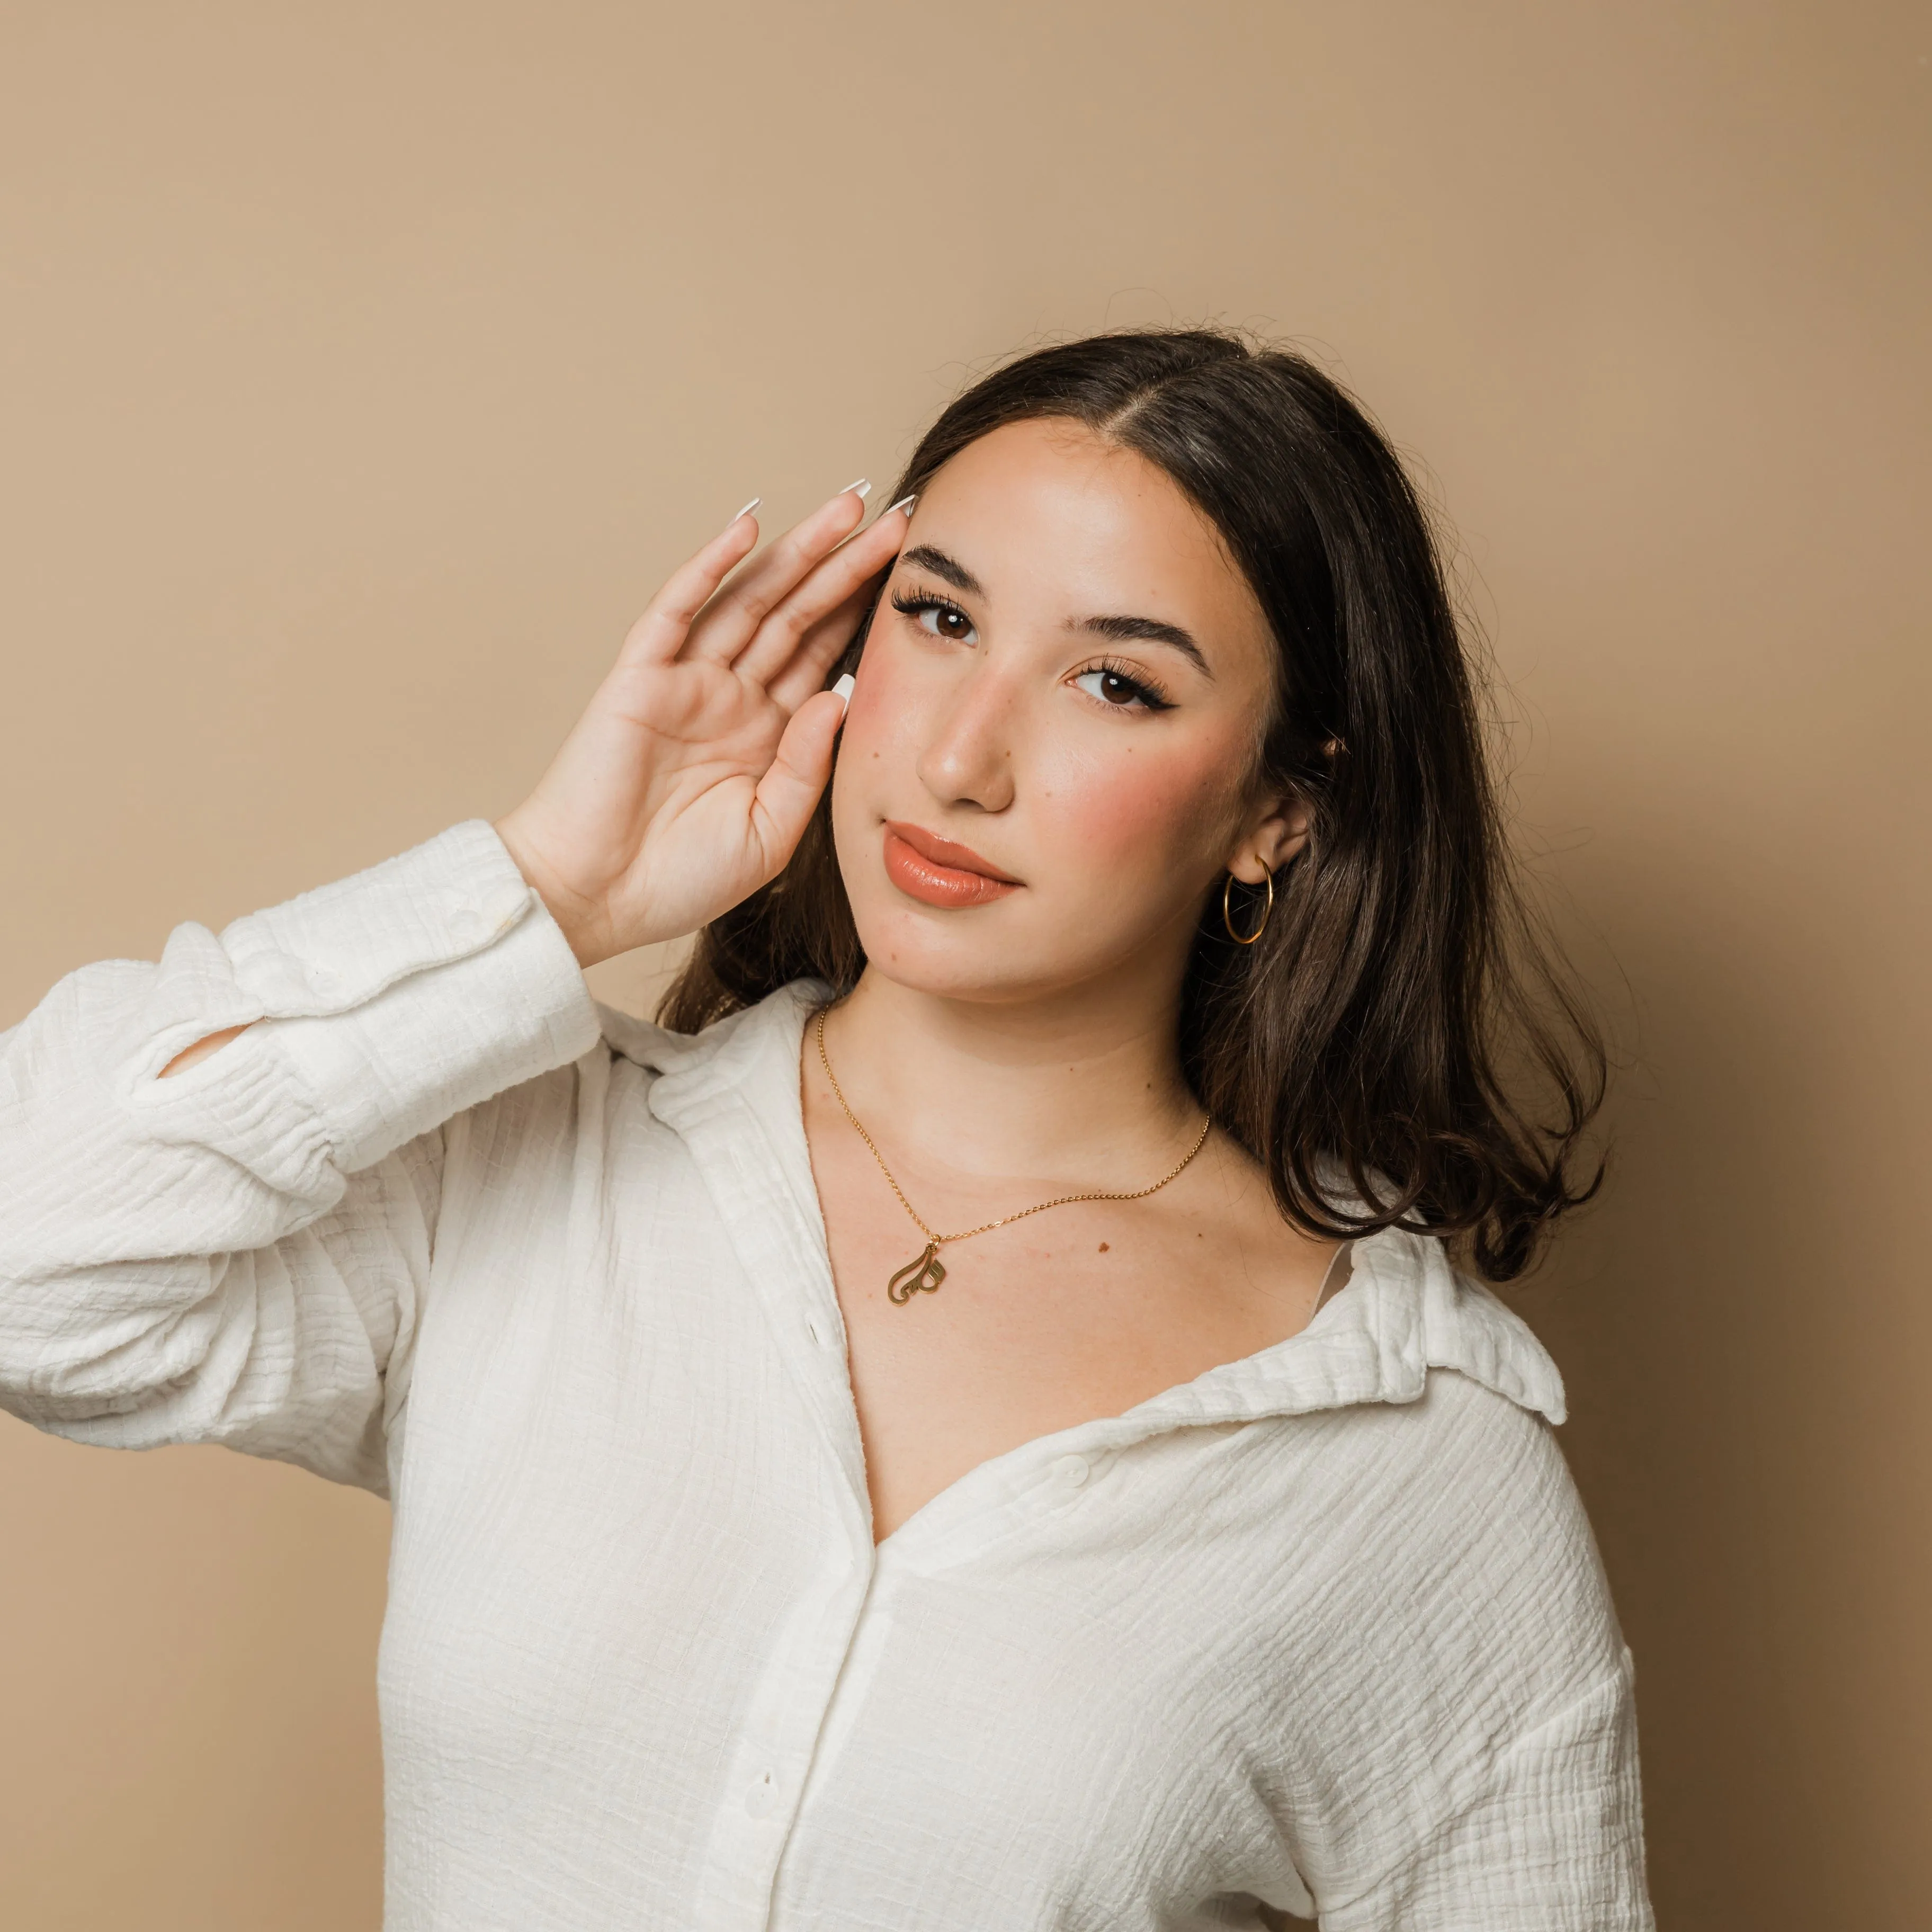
pixel 1072 1470
pixel 762 1797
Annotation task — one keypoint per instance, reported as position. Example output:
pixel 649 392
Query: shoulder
pixel 1445 1404
pixel 1415 1315
pixel 1462 1675
pixel 1467 1496
pixel 1462 1607
pixel 1468 1690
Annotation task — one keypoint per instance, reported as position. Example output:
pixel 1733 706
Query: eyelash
pixel 1149 694
pixel 1152 697
pixel 916 603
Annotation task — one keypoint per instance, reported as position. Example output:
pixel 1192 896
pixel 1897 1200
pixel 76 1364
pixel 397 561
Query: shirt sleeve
pixel 236 1254
pixel 1554 1839
pixel 1477 1744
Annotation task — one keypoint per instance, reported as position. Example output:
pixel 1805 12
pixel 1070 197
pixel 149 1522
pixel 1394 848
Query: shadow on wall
pixel 1724 1410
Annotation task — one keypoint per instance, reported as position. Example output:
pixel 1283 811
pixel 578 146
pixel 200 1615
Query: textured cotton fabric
pixel 1324 1628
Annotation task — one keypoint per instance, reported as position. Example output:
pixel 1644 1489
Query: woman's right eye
pixel 938 617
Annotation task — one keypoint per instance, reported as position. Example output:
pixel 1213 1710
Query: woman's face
pixel 1046 763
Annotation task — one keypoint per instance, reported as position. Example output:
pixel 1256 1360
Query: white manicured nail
pixel 845 687
pixel 905 503
pixel 862 490
pixel 747 510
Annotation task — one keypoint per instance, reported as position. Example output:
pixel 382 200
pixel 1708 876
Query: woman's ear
pixel 1268 842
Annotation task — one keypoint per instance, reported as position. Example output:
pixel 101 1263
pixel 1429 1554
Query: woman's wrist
pixel 584 929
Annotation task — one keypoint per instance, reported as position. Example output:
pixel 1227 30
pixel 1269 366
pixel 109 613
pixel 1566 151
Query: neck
pixel 1082 1085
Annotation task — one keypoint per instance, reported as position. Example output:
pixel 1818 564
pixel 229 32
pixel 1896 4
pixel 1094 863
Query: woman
pixel 868 1453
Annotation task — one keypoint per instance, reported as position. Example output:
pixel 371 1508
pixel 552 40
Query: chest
pixel 1081 1312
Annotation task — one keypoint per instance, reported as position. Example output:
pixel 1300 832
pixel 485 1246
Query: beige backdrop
pixel 366 365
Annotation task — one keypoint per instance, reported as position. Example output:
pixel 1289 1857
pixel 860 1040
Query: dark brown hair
pixel 1403 1043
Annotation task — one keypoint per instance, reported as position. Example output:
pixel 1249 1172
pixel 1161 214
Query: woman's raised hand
pixel 688 781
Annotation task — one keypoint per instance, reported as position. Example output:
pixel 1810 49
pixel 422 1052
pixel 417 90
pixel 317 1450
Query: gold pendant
pixel 927 1273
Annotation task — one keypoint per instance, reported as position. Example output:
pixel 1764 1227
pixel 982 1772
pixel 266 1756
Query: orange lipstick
pixel 938 871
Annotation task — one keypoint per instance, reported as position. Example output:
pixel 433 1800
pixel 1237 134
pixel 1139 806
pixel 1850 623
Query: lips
pixel 938 872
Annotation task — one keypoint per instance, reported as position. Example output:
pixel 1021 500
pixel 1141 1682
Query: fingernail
pixel 905 503
pixel 747 510
pixel 862 490
pixel 848 684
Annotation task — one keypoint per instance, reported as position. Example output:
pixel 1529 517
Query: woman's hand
pixel 689 781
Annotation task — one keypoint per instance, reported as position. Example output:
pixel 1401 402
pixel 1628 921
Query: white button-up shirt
pixel 1324 1628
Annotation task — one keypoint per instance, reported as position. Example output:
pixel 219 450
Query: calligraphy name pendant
pixel 927 1272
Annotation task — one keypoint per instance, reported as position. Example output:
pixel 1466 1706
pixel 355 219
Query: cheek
pixel 1158 812
pixel 874 776
pixel 882 723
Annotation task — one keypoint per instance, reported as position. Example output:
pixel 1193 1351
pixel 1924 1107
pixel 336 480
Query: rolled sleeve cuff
pixel 390 1001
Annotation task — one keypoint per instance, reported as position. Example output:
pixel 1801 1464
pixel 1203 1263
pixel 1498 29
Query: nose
pixel 968 760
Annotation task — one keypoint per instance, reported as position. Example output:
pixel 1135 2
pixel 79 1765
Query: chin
pixel 996 953
pixel 966 955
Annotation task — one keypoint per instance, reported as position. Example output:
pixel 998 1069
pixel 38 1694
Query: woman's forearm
pixel 171 1265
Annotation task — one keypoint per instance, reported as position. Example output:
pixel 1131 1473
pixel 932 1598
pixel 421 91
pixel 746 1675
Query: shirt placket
pixel 773 1753
pixel 783 1716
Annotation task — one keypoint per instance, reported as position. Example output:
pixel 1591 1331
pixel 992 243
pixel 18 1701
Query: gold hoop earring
pixel 1227 919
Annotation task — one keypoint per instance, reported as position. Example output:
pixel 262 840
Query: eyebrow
pixel 1151 630
pixel 1122 630
pixel 949 569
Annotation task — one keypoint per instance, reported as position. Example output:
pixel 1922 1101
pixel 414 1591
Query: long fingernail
pixel 848 684
pixel 905 503
pixel 862 490
pixel 747 510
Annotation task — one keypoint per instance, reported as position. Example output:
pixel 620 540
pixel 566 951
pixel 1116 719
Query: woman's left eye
pixel 1116 688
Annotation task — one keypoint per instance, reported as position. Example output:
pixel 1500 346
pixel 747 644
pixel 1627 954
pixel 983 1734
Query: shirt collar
pixel 1405 1312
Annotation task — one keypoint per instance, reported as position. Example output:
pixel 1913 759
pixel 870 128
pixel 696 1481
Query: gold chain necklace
pixel 927 1270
